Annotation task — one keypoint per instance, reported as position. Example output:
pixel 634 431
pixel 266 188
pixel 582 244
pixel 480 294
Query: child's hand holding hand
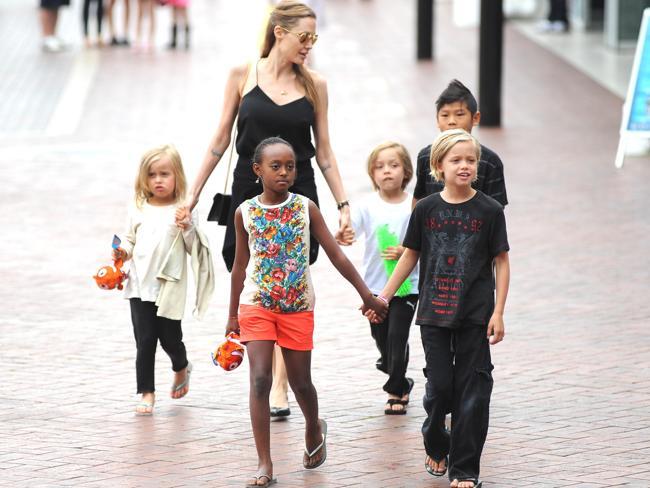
pixel 375 309
pixel 232 325
pixel 345 223
pixel 119 253
pixel 183 217
pixel 372 317
pixel 496 329
pixel 345 237
pixel 392 253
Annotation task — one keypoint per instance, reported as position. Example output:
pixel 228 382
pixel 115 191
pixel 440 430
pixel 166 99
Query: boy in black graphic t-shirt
pixel 458 235
pixel 457 243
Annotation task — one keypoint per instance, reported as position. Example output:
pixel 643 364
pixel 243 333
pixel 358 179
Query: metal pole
pixel 490 62
pixel 425 29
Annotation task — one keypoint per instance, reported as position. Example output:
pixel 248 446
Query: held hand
pixel 232 325
pixel 345 225
pixel 375 309
pixel 345 237
pixel 496 330
pixel 183 217
pixel 392 253
pixel 372 317
pixel 119 253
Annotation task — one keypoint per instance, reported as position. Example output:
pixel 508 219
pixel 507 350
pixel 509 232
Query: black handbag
pixel 220 208
pixel 221 202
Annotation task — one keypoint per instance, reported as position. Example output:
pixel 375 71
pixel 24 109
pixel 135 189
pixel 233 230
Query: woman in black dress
pixel 277 96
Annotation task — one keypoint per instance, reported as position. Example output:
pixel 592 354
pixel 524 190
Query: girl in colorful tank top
pixel 272 298
pixel 278 277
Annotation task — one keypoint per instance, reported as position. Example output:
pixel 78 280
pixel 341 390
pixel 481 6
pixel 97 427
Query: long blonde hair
pixel 142 192
pixel 287 14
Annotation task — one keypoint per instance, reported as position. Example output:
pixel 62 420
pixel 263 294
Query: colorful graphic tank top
pixel 277 276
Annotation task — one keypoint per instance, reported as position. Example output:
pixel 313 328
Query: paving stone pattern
pixel 571 403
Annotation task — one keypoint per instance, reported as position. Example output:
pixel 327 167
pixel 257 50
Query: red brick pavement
pixel 571 402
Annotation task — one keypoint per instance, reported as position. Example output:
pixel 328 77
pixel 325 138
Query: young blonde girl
pixel 382 218
pixel 156 247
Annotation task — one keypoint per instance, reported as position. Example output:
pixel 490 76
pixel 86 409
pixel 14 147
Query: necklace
pixel 284 93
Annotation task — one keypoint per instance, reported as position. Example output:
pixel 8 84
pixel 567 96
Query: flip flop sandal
pixel 432 472
pixel 322 446
pixel 477 483
pixel 144 405
pixel 395 401
pixel 184 383
pixel 269 481
pixel 411 383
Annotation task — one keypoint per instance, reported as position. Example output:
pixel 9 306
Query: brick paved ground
pixel 571 403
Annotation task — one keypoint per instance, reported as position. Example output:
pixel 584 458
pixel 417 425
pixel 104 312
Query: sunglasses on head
pixel 303 36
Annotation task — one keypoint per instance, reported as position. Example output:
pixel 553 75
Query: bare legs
pixel 260 355
pixel 48 19
pixel 145 9
pixel 298 365
pixel 280 386
pixel 115 40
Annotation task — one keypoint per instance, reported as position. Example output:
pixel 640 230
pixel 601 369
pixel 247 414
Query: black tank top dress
pixel 260 117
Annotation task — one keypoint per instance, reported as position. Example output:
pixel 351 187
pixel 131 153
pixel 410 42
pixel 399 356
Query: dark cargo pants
pixel 459 380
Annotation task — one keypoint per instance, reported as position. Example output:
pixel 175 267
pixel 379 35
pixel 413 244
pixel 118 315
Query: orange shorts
pixel 290 330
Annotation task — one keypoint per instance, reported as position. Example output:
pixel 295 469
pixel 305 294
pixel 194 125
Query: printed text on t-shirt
pixel 455 234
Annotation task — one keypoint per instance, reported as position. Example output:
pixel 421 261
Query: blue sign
pixel 638 99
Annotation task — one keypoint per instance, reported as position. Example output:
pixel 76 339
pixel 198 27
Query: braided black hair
pixel 269 141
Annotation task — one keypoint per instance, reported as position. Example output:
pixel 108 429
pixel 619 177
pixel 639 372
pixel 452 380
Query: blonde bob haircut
pixel 402 154
pixel 443 144
pixel 142 192
pixel 287 14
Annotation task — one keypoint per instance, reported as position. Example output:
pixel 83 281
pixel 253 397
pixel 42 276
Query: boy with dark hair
pixel 456 108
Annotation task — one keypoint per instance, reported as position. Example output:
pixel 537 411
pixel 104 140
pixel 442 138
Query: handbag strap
pixel 234 138
pixel 232 146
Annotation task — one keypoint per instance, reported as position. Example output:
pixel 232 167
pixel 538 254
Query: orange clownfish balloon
pixel 230 353
pixel 109 277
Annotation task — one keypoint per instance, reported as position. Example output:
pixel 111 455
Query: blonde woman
pixel 276 96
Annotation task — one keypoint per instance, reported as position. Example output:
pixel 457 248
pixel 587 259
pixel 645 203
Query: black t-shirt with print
pixel 457 245
pixel 490 176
